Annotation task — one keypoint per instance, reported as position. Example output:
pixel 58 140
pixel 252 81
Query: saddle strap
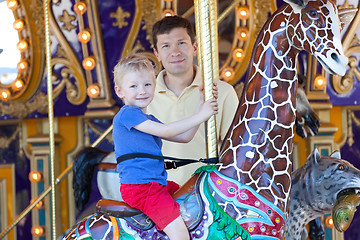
pixel 173 164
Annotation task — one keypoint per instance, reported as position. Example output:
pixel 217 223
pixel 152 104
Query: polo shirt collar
pixel 161 86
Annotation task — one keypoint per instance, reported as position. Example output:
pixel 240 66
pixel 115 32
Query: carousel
pixel 288 167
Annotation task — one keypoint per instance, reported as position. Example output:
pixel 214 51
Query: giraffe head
pixel 314 26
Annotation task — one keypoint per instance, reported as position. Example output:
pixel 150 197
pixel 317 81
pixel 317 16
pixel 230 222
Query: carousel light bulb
pixel 88 63
pixel 22 45
pixel 5 94
pixel 84 36
pixel 238 54
pixel 80 8
pixel 93 91
pixel 329 222
pixel 320 82
pixel 21 66
pixel 243 34
pixel 168 13
pixel 18 84
pixel 18 25
pixel 227 74
pixel 37 231
pixel 39 205
pixel 12 4
pixel 35 176
pixel 243 13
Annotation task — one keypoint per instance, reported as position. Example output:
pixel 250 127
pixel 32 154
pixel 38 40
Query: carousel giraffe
pixel 246 195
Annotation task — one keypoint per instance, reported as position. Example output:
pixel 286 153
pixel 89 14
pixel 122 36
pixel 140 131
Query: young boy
pixel 144 180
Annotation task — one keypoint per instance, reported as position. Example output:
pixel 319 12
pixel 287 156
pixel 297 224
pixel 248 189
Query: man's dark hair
pixel 167 24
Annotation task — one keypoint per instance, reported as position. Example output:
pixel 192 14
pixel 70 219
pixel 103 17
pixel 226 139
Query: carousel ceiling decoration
pixel 88 38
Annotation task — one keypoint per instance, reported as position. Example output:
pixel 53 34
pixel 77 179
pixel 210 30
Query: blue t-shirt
pixel 129 140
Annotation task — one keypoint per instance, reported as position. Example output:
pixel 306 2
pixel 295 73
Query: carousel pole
pixel 206 32
pixel 51 117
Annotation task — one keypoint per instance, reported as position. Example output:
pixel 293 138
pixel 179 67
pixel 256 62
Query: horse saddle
pixel 191 208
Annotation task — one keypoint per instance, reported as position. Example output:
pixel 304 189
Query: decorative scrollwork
pixel 66 18
pixel 73 93
pixel 343 85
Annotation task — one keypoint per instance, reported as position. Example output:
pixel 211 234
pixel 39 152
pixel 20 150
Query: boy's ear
pixel 118 92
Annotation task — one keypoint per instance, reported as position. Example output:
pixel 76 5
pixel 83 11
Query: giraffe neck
pixel 258 149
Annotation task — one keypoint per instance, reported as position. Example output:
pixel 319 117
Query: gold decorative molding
pixel 21 110
pixel 151 14
pixel 120 16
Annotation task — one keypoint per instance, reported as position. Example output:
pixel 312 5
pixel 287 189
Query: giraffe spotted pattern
pixel 258 148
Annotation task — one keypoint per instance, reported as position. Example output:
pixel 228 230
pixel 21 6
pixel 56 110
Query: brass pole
pixel 48 189
pixel 206 51
pixel 51 117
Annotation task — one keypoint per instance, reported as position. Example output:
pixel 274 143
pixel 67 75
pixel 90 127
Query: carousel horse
pixel 88 159
pixel 246 195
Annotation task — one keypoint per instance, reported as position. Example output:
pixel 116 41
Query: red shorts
pixel 154 200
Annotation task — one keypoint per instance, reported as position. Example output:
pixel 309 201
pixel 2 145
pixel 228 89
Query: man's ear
pixel 156 54
pixel 195 46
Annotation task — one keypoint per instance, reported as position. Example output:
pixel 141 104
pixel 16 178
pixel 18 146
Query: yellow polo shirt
pixel 167 107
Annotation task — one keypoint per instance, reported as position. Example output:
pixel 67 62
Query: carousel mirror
pixel 10 55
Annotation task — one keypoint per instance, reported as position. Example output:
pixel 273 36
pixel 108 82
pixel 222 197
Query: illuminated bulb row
pixel 88 63
pixel 238 54
pixel 16 86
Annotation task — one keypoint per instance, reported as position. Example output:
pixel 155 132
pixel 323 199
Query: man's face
pixel 175 51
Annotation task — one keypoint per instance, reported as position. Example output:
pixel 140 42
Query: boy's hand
pixel 208 108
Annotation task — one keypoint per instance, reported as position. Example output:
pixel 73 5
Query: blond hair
pixel 131 63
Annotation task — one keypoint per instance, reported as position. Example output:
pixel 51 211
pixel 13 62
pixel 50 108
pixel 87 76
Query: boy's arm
pixel 183 130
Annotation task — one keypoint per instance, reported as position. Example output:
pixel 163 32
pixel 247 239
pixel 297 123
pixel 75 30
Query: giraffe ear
pixel 296 5
pixel 336 154
pixel 347 15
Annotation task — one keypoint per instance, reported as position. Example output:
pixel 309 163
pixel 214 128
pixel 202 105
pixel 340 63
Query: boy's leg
pixel 176 230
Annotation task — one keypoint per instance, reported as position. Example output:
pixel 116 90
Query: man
pixel 177 92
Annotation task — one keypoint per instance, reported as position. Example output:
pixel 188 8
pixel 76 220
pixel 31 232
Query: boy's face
pixel 175 51
pixel 137 88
